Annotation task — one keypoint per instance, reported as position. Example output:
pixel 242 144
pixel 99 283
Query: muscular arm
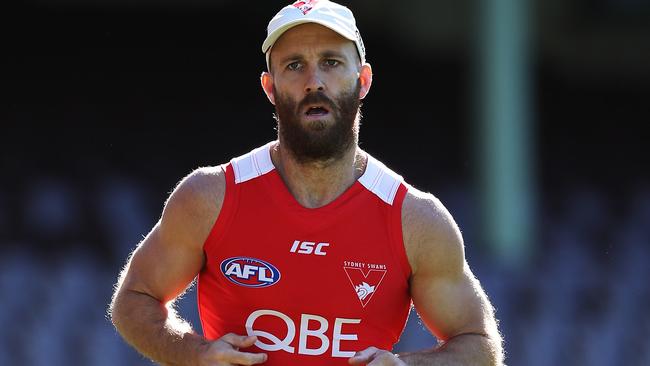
pixel 446 294
pixel 160 269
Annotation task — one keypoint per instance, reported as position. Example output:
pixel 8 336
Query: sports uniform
pixel 314 285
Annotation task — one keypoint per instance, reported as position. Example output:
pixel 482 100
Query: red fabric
pixel 261 220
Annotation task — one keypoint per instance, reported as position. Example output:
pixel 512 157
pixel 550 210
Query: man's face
pixel 316 89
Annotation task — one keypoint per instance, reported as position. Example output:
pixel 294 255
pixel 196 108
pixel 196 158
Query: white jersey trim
pixel 380 180
pixel 252 165
pixel 377 178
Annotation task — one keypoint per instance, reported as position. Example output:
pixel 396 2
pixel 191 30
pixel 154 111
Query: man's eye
pixel 331 63
pixel 293 66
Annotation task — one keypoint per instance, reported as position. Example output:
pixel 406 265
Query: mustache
pixel 317 97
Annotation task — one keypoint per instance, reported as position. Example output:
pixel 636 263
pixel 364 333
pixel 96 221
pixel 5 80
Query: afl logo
pixel 250 272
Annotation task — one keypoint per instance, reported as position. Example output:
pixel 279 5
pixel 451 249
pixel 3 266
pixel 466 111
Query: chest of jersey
pixel 314 285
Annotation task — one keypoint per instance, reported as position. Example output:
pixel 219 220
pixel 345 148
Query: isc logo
pixel 250 272
pixel 308 247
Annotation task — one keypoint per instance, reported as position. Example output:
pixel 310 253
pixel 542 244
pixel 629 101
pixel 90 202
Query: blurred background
pixel 526 118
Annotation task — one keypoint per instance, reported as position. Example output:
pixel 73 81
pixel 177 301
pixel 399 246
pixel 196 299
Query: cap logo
pixel 305 6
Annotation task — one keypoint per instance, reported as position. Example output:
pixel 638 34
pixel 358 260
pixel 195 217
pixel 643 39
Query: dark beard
pixel 318 142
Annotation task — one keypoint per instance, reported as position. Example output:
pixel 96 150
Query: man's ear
pixel 267 85
pixel 365 77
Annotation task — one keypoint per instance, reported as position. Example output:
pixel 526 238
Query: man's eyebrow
pixel 291 57
pixel 331 53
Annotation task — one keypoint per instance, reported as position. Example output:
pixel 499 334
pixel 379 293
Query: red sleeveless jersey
pixel 314 285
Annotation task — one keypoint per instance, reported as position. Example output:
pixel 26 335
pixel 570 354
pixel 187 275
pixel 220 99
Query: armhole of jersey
pixel 226 213
pixel 399 250
pixel 217 232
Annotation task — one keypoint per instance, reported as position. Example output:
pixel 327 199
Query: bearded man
pixel 308 251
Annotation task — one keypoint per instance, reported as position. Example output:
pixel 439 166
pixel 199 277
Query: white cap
pixel 324 12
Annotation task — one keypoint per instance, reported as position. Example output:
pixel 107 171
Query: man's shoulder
pixel 199 195
pixel 430 232
pixel 422 208
pixel 204 184
pixel 204 179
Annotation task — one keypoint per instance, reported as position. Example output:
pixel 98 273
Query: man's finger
pixel 364 356
pixel 385 358
pixel 235 357
pixel 240 341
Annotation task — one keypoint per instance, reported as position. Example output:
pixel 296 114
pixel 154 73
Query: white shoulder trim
pixel 252 165
pixel 380 180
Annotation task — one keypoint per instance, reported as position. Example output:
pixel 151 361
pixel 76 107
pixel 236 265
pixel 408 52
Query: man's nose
pixel 314 82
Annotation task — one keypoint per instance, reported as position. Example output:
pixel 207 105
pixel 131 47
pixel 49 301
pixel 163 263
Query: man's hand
pixel 372 356
pixel 225 352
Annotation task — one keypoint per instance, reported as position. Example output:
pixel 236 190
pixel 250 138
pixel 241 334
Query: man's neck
pixel 315 184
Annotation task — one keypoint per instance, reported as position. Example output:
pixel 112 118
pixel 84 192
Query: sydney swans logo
pixel 305 6
pixel 365 283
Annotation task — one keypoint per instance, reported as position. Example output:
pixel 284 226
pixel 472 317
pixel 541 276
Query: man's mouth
pixel 317 111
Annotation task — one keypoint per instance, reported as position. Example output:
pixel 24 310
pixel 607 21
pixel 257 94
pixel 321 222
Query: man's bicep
pixel 451 304
pixel 445 293
pixel 161 267
pixel 171 255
